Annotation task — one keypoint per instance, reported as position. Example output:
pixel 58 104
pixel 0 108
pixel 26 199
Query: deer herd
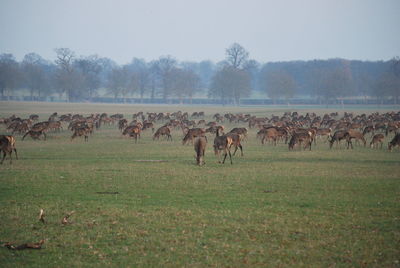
pixel 294 129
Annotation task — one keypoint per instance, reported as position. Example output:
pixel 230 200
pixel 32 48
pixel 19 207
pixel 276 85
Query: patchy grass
pixel 270 208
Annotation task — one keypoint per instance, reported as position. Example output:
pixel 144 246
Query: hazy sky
pixel 198 30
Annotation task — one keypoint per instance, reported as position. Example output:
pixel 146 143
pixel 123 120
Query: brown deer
pixel 148 125
pixel 324 132
pixel 268 134
pixel 337 137
pixel 377 138
pixel 354 134
pixel 7 145
pixel 81 131
pixel 394 142
pixel 163 131
pixel 35 134
pixel 299 138
pixel 193 133
pixel 236 138
pixel 241 131
pixel 200 145
pixel 133 131
pixel 223 143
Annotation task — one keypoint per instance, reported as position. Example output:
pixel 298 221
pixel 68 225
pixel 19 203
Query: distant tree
pixel 9 74
pixel 118 82
pixel 185 83
pixel 253 68
pixel 36 73
pixel 67 79
pixel 230 83
pixel 140 77
pixel 394 84
pixel 89 69
pixel 278 84
pixel 164 67
pixel 236 56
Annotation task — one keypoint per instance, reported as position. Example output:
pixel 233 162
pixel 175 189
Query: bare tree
pixel 236 56
pixel 184 83
pixel 67 79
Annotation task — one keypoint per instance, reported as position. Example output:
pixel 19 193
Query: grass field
pixel 271 208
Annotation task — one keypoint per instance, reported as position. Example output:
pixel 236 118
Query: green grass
pixel 271 208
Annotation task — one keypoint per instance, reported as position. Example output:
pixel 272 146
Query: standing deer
pixel 337 137
pixel 200 145
pixel 354 134
pixel 377 138
pixel 7 145
pixel 394 142
pixel 299 138
pixel 193 133
pixel 223 143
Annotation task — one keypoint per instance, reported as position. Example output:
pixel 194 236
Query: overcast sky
pixel 196 30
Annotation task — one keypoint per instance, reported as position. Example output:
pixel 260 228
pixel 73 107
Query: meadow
pixel 271 208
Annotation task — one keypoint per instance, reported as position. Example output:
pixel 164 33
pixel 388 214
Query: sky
pixel 197 30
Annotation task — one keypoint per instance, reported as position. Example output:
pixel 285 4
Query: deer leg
pixel 230 156
pixel 225 154
pixel 4 156
pixel 15 151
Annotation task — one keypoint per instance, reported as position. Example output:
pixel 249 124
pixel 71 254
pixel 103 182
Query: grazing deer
pixel 299 138
pixel 7 145
pixel 337 137
pixel 148 125
pixel 193 133
pixel 35 134
pixel 81 131
pixel 200 145
pixel 377 138
pixel 394 142
pixel 163 131
pixel 354 134
pixel 133 131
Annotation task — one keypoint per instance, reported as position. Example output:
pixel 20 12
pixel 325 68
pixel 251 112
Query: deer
pixel 163 131
pixel 81 131
pixel 241 131
pixel 377 138
pixel 236 138
pixel 133 131
pixel 223 143
pixel 148 125
pixel 35 134
pixel 193 133
pixel 122 123
pixel 354 134
pixel 337 137
pixel 7 145
pixel 324 132
pixel 299 138
pixel 200 144
pixel 268 134
pixel 394 142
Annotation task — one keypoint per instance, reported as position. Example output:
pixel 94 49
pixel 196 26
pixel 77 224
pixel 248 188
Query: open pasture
pixel 271 208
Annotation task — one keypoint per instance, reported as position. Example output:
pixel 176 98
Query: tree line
pixel 84 78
